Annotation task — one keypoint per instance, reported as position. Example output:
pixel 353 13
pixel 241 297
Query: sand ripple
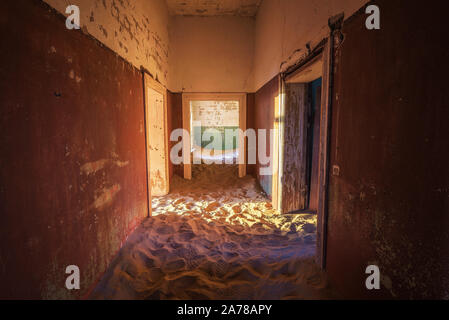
pixel 217 237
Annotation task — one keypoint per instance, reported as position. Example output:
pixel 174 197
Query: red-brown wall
pixel 72 153
pixel 174 101
pixel 250 124
pixel 389 204
pixel 264 101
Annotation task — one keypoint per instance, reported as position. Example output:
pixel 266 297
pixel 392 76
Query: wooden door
pixel 295 189
pixel 157 137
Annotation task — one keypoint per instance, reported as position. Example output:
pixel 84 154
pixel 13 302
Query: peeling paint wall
pixel 137 30
pixel 245 8
pixel 72 145
pixel 389 203
pixel 211 54
pixel 285 26
pixel 216 113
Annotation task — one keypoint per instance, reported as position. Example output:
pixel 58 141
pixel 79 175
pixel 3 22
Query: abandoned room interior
pixel 223 149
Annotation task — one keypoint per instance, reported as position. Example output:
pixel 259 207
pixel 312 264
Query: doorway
pixel 304 140
pixel 301 146
pixel 209 119
pixel 313 143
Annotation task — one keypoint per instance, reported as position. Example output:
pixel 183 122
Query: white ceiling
pixel 245 8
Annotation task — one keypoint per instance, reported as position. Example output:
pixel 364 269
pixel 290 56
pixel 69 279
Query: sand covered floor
pixel 217 237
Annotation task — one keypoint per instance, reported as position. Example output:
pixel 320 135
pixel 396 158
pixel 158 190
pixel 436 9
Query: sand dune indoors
pixel 216 237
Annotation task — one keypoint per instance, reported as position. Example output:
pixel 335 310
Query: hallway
pixel 334 113
pixel 216 237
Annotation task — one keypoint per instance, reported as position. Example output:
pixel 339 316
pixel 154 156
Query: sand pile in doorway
pixel 217 237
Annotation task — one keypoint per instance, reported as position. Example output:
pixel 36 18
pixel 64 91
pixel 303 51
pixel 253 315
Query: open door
pixel 295 182
pixel 304 161
pixel 157 136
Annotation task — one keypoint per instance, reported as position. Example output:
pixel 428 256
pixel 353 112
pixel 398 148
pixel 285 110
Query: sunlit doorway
pixel 216 124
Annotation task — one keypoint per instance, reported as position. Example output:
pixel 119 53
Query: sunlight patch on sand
pixel 217 237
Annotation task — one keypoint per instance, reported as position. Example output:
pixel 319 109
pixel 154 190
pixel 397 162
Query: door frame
pixel 278 148
pixel 324 54
pixel 186 99
pixel 149 82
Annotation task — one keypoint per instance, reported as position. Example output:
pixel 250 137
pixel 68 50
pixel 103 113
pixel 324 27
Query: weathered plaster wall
pixel 72 165
pixel 211 54
pixel 137 30
pixel 214 7
pixel 389 204
pixel 284 26
pixel 216 113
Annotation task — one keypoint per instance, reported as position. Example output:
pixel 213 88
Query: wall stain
pixel 92 167
pixel 81 198
pixel 106 196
